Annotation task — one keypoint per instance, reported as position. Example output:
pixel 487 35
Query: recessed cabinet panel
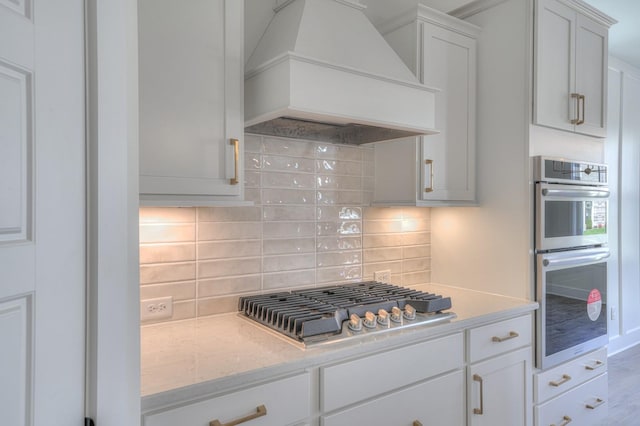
pixel 440 169
pixel 15 153
pixel 570 68
pixel 591 74
pixel 555 69
pixel 498 390
pixel 449 63
pixel 15 368
pixel 437 401
pixel 191 97
pixel 278 403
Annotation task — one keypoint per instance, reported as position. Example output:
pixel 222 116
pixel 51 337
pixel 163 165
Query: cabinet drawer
pixel 494 339
pixel 551 383
pixel 586 404
pixel 437 401
pixel 287 402
pixel 353 381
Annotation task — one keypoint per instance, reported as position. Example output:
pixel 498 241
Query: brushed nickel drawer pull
pixel 565 421
pixel 512 335
pixel 260 411
pixel 416 423
pixel 597 363
pixel 565 379
pixel 236 155
pixel 576 120
pixel 477 378
pixel 596 404
pixel 430 187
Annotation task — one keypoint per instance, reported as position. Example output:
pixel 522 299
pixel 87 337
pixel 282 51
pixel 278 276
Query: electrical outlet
pixel 382 276
pixel 155 309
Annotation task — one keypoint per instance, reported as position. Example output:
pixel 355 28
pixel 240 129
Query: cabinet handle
pixel 417 423
pixel 597 364
pixel 581 98
pixel 512 335
pixel 430 187
pixel 576 96
pixel 236 155
pixel 596 404
pixel 477 378
pixel 260 411
pixel 565 421
pixel 565 379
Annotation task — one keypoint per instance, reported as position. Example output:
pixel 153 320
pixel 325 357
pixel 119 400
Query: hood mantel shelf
pixel 320 65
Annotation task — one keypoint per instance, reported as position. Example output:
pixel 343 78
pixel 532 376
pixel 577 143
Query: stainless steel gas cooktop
pixel 335 313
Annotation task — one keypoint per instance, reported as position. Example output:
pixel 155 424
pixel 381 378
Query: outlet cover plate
pixel 382 276
pixel 156 309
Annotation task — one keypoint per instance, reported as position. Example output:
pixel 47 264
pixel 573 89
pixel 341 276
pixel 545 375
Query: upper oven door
pixel 570 216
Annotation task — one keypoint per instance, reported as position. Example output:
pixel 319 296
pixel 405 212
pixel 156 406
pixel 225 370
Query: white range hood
pixel 321 71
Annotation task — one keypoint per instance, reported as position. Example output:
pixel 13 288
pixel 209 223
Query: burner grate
pixel 305 314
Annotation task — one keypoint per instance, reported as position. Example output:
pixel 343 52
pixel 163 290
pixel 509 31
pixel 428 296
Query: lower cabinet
pixel 575 392
pixel 498 390
pixel 439 401
pixel 281 402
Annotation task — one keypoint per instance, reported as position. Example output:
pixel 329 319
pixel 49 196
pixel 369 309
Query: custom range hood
pixel 321 71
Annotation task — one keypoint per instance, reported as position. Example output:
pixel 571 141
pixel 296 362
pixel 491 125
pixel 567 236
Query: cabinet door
pixel 449 63
pixel 499 390
pixel 591 75
pixel 555 67
pixel 191 98
pixel 438 401
pixel 278 403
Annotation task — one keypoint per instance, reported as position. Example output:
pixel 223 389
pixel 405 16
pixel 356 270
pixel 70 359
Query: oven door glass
pixel 573 299
pixel 570 216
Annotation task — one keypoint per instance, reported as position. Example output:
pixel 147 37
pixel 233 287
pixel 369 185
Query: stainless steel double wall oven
pixel 571 218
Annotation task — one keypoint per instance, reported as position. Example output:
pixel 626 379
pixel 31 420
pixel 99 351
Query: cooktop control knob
pixel 396 314
pixel 383 317
pixel 370 320
pixel 355 322
pixel 409 312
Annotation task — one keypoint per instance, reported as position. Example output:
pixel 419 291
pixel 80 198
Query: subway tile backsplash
pixel 310 225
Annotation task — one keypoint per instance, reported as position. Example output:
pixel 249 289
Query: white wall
pixel 623 150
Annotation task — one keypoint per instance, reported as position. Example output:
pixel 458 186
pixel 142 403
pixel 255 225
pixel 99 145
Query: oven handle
pixel 576 193
pixel 577 260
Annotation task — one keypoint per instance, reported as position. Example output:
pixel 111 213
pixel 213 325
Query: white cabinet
pixel 571 67
pixel 498 387
pixel 576 391
pixel 419 384
pixel 278 403
pixel 437 169
pixel 438 401
pixel 191 101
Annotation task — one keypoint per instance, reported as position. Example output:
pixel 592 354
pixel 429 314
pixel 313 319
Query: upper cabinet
pixel 571 67
pixel 191 95
pixel 436 169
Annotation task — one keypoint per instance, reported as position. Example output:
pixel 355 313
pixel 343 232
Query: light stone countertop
pixel 187 360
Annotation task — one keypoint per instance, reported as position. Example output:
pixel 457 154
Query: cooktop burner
pixel 328 314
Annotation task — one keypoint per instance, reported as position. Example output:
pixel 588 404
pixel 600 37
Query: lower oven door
pixel 572 293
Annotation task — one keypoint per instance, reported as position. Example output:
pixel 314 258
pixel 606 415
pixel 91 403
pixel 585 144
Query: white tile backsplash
pixel 310 226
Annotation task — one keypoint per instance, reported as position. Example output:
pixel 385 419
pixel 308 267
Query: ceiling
pixel 624 37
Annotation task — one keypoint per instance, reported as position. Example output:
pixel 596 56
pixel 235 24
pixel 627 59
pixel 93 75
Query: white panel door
pixel 555 67
pixel 591 74
pixel 42 212
pixel 450 65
